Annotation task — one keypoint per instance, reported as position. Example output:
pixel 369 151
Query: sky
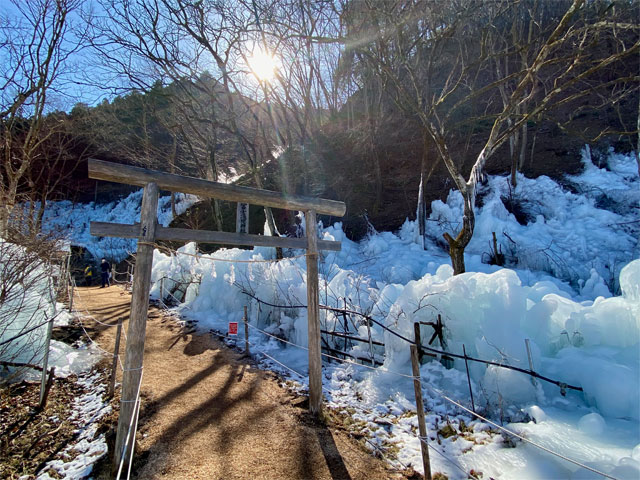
pixel 81 79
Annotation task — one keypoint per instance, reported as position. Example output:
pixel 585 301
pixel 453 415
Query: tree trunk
pixel 5 212
pixel 456 252
pixel 43 206
pixel 421 214
pixel 212 174
pixel 172 169
pixel 457 245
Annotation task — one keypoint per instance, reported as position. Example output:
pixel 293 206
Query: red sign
pixel 233 328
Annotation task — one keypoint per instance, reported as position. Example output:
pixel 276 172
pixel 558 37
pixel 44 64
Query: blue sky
pixel 80 75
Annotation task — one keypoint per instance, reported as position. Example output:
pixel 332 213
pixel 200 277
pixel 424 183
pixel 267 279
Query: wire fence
pixel 436 392
pixel 423 348
pixel 457 404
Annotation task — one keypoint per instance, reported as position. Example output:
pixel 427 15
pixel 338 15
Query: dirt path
pixel 207 413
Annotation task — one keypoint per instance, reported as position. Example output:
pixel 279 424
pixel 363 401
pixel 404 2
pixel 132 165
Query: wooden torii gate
pixel 148 231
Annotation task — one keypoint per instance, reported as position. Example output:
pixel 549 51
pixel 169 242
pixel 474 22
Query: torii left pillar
pixel 132 374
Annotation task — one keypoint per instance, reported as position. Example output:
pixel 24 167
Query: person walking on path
pixel 88 275
pixel 106 269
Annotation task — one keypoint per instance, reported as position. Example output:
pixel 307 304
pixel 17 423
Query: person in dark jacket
pixel 106 269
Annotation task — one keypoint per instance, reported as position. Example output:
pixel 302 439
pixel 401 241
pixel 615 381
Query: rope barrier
pixel 274 360
pixel 97 345
pixel 172 296
pixel 345 311
pixel 131 422
pixel 347 362
pixel 431 447
pixel 510 432
pixel 277 338
pixel 91 340
pixel 86 314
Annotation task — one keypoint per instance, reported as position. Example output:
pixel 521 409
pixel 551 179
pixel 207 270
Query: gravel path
pixel 208 413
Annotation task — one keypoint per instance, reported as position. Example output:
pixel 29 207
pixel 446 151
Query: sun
pixel 263 64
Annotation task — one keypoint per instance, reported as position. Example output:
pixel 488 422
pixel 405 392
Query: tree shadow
pixel 198 417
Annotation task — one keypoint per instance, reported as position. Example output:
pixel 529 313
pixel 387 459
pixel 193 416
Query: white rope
pixel 166 307
pixel 276 361
pixel 93 342
pixel 277 338
pixel 348 362
pixel 96 344
pixel 375 369
pixel 131 422
pixel 86 314
pixel 135 430
pixel 450 460
pixel 510 432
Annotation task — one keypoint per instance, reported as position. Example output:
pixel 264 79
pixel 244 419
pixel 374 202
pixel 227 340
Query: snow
pixel 72 220
pixel 77 459
pixel 31 303
pixel 571 286
pixel 26 304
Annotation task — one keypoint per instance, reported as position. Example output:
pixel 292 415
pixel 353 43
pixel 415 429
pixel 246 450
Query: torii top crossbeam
pixel 114 172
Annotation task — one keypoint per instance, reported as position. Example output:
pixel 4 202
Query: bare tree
pixel 35 49
pixel 177 42
pixel 440 62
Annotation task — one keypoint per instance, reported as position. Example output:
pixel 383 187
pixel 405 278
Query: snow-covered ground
pixel 571 288
pixel 25 309
pixel 77 459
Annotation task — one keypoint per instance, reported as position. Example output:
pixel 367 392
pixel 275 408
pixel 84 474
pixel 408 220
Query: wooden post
pixel 137 323
pixel 64 275
pixel 417 338
pixel 245 319
pixel 45 363
pixel 47 388
pixel 162 290
pixel 114 365
pixel 346 325
pixel 242 218
pixel 422 426
pixel 466 364
pixel 313 315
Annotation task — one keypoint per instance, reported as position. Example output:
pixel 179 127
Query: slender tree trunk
pixel 31 217
pixel 43 206
pixel 172 169
pixel 212 174
pixel 5 212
